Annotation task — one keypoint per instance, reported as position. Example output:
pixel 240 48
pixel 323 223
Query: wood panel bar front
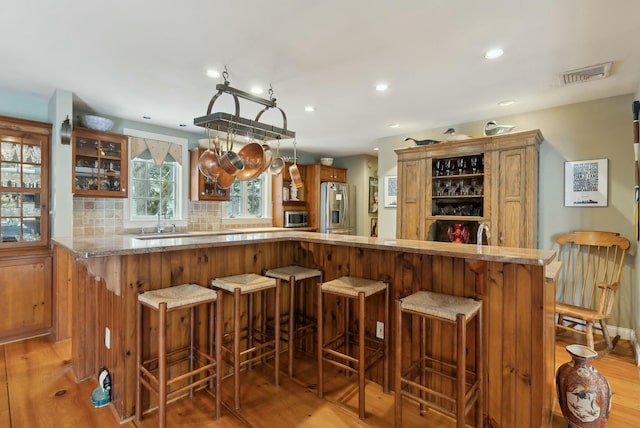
pixel 517 305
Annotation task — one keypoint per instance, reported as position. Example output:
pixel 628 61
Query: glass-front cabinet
pixel 99 164
pixel 24 212
pixel 458 186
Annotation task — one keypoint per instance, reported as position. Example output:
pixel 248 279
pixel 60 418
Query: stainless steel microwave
pixel 296 219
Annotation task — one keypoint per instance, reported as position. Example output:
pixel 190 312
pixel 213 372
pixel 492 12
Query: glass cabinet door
pixel 23 212
pixel 99 164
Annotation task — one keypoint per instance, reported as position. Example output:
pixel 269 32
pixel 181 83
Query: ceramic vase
pixel 583 392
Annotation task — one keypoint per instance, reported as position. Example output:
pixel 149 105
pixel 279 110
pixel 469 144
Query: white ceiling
pixel 132 58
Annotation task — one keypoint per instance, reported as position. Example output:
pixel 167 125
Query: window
pixel 248 198
pixel 154 188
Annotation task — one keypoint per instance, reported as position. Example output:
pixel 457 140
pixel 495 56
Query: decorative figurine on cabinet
pixel 458 233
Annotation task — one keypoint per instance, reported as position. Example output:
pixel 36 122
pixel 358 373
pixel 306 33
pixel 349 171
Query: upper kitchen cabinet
pixel 488 179
pixel 99 164
pixel 24 184
pixel 204 188
pixel 331 173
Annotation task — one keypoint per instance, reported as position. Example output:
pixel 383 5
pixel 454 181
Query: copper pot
pixel 209 164
pixel 252 156
pixel 225 180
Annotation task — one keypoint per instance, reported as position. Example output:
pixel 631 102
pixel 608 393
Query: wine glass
pixel 461 165
pixel 448 165
pixel 474 164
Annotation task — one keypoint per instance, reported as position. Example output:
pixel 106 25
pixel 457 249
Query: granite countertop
pixel 113 245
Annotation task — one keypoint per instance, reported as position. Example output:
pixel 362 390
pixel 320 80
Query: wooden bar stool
pixel 336 351
pixel 248 285
pixel 413 383
pixel 204 367
pixel 300 323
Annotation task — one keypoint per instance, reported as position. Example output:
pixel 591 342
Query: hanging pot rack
pixel 234 123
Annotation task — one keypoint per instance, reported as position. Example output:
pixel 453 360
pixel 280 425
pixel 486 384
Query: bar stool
pixel 204 367
pixel 248 285
pixel 300 323
pixel 336 351
pixel 412 382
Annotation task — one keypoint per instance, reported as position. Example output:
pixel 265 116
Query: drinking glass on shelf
pixel 465 188
pixel 437 186
pixel 474 164
pixel 455 186
pixel 461 165
pixel 479 189
pixel 448 166
pixel 437 168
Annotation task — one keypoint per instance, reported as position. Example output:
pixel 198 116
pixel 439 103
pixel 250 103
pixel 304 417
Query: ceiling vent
pixel 593 72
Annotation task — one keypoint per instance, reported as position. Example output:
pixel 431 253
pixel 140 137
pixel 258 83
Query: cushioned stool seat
pixel 336 351
pixel 413 382
pixel 249 285
pixel 203 366
pixel 300 323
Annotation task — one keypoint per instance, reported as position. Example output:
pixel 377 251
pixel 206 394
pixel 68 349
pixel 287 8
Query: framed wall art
pixel 373 194
pixel 585 183
pixel 390 191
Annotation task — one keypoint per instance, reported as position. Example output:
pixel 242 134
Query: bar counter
pixel 102 275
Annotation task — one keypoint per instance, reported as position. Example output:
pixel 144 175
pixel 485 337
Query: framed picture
pixel 585 183
pixel 390 191
pixel 374 227
pixel 373 194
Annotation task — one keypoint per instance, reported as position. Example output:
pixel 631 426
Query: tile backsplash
pixel 104 216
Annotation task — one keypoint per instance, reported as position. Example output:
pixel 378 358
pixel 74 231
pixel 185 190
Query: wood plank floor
pixel 37 390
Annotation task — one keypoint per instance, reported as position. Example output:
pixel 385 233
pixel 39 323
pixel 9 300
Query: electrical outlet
pixel 107 337
pixel 379 330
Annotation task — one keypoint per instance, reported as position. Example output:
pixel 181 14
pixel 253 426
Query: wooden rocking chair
pixel 588 282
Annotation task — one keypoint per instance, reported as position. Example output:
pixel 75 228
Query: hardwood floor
pixel 37 389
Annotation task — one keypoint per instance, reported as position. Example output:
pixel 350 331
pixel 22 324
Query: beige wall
pixel 359 169
pixel 592 130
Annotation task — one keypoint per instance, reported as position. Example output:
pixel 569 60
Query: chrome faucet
pixel 159 228
pixel 484 227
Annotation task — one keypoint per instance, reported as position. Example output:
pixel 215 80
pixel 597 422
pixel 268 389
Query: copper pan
pixel 252 156
pixel 295 175
pixel 209 164
pixel 225 180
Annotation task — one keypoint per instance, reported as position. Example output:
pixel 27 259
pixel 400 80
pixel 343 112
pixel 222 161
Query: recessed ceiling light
pixel 394 125
pixel 375 149
pixel 493 53
pixel 256 90
pixel 214 74
pixel 506 103
pixel 146 117
pixel 182 125
pixel 381 87
pixel 309 108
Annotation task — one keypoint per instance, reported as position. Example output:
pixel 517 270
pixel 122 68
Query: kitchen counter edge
pixel 114 245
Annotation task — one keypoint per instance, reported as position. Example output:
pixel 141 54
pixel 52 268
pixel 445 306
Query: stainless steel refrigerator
pixel 337 208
